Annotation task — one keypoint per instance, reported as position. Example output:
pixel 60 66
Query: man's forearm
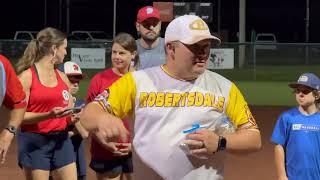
pixel 90 116
pixel 105 126
pixel 243 141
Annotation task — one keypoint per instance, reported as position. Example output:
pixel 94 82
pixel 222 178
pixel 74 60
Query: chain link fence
pixel 262 61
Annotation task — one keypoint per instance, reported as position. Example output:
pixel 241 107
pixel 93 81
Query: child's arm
pixel 83 132
pixel 78 128
pixel 280 162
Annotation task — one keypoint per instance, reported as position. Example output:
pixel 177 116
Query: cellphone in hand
pixel 74 109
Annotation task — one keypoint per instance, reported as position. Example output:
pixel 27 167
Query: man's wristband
pixel 222 143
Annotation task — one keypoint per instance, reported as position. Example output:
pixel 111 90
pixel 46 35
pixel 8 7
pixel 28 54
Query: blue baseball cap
pixel 307 79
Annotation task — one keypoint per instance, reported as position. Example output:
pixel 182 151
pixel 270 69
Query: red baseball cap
pixel 147 12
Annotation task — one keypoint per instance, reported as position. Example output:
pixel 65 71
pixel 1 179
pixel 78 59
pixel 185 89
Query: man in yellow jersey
pixel 175 110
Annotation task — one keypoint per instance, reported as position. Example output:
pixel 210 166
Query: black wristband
pixel 12 129
pixel 222 143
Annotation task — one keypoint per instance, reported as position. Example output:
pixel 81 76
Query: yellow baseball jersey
pixel 162 107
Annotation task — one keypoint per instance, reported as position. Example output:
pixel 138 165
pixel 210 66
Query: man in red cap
pixel 150 44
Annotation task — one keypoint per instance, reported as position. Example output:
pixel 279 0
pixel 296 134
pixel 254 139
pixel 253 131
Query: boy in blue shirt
pixel 297 133
pixel 76 132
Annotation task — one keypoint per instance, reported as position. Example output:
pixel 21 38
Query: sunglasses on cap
pixel 302 90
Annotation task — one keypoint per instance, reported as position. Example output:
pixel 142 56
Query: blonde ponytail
pixel 28 58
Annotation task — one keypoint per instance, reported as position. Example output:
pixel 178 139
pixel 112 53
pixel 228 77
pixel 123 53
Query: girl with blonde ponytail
pixel 40 47
pixel 44 145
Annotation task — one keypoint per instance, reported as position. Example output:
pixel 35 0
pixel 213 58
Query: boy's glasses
pixel 74 80
pixel 302 90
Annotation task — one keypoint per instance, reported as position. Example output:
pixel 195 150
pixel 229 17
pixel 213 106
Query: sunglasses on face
pixel 150 22
pixel 198 48
pixel 74 80
pixel 302 90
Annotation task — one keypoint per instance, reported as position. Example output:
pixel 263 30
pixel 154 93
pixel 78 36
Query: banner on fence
pixel 89 58
pixel 221 58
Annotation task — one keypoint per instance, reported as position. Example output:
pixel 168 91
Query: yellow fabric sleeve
pixel 119 98
pixel 122 96
pixel 238 111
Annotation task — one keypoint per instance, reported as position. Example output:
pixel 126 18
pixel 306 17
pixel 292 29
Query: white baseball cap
pixel 72 69
pixel 188 29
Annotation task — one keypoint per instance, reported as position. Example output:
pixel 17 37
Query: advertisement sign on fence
pixel 89 58
pixel 221 58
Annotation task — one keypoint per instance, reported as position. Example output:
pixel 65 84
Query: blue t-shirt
pixel 79 103
pixel 151 57
pixel 300 137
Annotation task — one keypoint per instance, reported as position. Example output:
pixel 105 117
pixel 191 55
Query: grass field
pixel 266 85
pixel 248 73
pixel 267 93
pixel 268 73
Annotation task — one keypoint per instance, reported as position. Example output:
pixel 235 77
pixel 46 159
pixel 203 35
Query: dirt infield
pixel 250 167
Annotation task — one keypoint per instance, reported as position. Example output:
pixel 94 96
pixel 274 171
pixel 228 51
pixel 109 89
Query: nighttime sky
pixel 284 18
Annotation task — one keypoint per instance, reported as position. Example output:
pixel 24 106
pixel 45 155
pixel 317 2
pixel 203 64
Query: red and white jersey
pixel 162 107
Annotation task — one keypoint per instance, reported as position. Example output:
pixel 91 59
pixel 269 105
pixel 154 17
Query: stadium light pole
pixel 114 17
pixel 68 17
pixel 242 31
pixel 307 20
pixel 60 14
pixel 219 18
pixel 307 32
pixel 45 14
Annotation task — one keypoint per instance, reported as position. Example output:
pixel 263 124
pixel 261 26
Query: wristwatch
pixel 222 143
pixel 12 129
